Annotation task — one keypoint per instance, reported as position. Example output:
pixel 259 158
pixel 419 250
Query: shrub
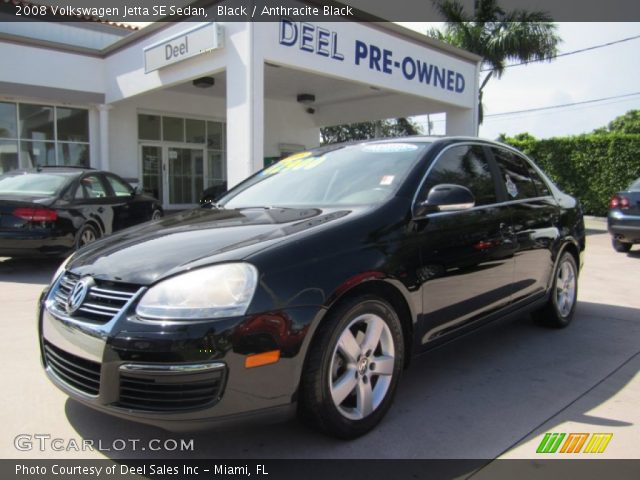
pixel 591 167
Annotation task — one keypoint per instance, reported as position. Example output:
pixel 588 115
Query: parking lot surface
pixel 491 394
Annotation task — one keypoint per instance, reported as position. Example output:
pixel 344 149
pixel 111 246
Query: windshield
pixel 350 175
pixel 32 184
pixel 635 186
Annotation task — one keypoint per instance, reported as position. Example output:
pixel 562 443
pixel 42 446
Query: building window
pixel 8 155
pixel 37 153
pixel 173 129
pixel 73 124
pixel 36 122
pixel 195 130
pixel 8 120
pixel 148 127
pixel 32 135
pixel 216 155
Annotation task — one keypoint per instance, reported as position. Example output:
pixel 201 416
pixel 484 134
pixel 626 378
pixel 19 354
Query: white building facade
pixel 184 106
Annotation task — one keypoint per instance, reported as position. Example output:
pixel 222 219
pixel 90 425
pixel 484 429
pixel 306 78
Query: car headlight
pixel 223 290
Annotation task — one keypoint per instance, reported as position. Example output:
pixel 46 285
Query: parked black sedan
pixel 310 285
pixel 51 211
pixel 623 220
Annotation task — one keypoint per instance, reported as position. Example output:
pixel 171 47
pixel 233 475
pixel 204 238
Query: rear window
pixel 32 184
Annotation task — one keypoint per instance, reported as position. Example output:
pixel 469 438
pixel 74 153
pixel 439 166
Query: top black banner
pixel 126 11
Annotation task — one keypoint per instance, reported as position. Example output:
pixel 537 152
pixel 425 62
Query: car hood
pixel 154 250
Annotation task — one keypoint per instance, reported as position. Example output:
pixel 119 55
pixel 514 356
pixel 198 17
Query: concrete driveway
pixel 492 394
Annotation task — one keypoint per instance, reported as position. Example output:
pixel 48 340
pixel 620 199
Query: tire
pixel 86 235
pixel 561 306
pixel 346 389
pixel 619 246
pixel 156 214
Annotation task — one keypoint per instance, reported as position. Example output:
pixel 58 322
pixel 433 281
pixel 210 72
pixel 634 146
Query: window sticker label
pixel 299 161
pixel 512 189
pixel 389 148
pixel 387 180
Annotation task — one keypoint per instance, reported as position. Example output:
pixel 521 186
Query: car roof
pixel 61 170
pixel 411 139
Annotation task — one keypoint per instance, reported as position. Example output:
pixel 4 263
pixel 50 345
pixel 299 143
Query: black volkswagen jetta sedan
pixel 310 285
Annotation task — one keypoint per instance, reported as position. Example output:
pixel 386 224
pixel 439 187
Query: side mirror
pixel 446 198
pixel 138 190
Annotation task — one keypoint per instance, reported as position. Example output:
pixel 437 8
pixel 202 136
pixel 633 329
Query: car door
pixel 466 255
pixel 128 211
pixel 92 197
pixel 535 215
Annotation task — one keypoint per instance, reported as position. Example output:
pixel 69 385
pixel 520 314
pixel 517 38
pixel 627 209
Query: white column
pixel 245 103
pixel 103 111
pixel 462 121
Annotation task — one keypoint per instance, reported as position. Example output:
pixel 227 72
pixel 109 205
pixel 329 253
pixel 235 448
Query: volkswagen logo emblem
pixel 78 294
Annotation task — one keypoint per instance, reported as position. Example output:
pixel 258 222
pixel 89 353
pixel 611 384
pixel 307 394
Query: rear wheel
pixel 559 310
pixel 86 235
pixel 156 214
pixel 619 246
pixel 353 368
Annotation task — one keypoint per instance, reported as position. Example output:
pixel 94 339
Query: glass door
pixel 185 176
pixel 152 170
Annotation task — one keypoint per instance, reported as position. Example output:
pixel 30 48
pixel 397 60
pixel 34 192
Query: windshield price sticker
pixel 299 161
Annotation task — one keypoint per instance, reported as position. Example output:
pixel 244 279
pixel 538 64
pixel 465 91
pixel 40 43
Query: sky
pixel 603 72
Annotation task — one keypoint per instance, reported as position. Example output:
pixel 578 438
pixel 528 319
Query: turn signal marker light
pixel 260 359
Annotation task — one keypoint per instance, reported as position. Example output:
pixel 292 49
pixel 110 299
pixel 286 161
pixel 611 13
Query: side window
pixel 80 192
pixel 520 178
pixel 541 186
pixel 466 166
pixel 93 187
pixel 120 189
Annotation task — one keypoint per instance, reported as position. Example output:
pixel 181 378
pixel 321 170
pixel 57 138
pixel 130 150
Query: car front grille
pixel 170 393
pixel 104 300
pixel 78 373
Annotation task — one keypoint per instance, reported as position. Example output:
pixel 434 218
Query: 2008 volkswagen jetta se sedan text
pixel 310 285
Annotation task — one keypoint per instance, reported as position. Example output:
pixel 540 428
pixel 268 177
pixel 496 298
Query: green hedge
pixel 591 167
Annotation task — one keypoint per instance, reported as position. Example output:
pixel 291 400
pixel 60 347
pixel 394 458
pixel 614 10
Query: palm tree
pixel 497 36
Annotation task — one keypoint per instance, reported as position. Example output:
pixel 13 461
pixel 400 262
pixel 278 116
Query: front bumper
pixel 149 372
pixel 623 226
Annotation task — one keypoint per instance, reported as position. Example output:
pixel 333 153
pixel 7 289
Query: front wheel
pixel 619 246
pixel 559 310
pixel 353 368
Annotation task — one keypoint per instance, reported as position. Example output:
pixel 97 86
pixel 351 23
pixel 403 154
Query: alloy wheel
pixel 565 288
pixel 362 366
pixel 87 236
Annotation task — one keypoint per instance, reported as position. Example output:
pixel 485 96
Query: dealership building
pixel 184 106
